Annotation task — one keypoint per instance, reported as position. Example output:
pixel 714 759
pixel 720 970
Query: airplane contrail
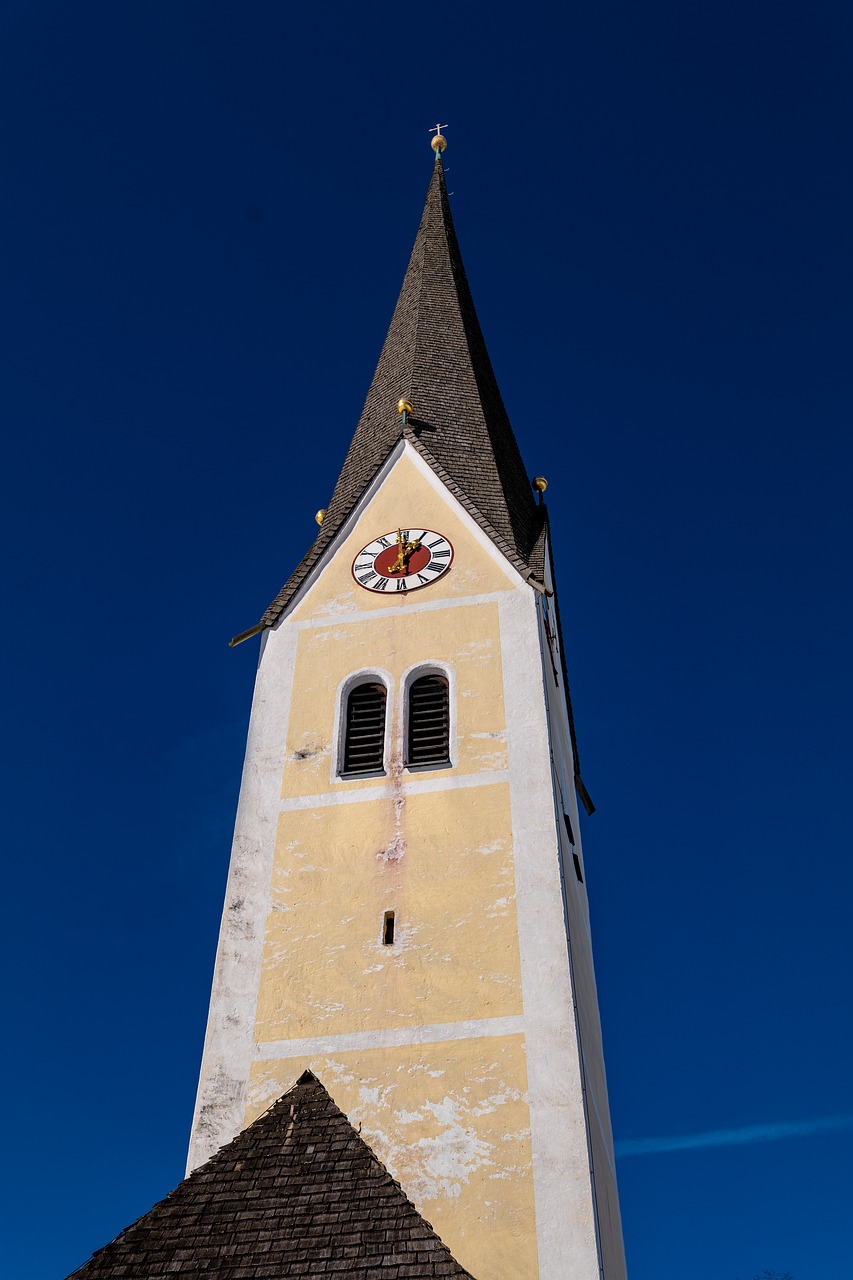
pixel 735 1137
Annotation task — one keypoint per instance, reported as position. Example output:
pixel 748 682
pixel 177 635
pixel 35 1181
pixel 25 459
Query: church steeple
pixel 434 357
pixel 406 913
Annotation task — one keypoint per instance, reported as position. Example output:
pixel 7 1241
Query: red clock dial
pixel 387 560
pixel 403 560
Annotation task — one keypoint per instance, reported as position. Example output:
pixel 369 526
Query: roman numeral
pixel 404 534
pixel 422 580
pixel 365 581
pixel 440 555
pixel 437 542
pixel 401 584
pixel 381 584
pixel 383 542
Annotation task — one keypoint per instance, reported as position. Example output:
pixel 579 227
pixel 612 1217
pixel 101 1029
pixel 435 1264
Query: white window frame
pixel 367 675
pixel 409 676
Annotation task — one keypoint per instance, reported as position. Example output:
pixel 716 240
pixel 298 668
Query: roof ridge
pixel 514 558
pixel 419 309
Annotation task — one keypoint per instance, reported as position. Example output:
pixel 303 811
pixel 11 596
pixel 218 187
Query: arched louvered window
pixel 429 722
pixel 364 730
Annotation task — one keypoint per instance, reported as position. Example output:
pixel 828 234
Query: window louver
pixel 429 722
pixel 365 731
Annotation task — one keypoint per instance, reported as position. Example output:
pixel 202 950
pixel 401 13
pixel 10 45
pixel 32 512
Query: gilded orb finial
pixel 439 142
pixel 404 406
pixel 320 515
pixel 539 483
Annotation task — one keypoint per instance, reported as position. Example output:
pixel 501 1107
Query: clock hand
pixel 399 564
pixel 407 550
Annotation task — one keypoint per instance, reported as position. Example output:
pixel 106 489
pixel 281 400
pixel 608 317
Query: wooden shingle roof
pixel 297 1194
pixel 435 357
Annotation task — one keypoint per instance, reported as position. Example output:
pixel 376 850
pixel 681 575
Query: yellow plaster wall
pixel 443 863
pixel 450 1119
pixel 451 1124
pixel 467 638
pixel 405 498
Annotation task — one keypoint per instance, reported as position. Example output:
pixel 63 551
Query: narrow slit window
pixel 578 871
pixel 388 929
pixel 364 740
pixel 429 722
pixel 569 831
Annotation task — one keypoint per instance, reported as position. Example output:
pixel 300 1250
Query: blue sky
pixel 206 213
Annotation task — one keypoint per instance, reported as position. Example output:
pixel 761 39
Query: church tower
pixel 406 912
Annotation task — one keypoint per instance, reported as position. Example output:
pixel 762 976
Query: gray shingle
pixel 298 1193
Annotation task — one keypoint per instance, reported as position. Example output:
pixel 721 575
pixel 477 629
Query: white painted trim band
pixel 419 606
pixel 393 1037
pixel 407 786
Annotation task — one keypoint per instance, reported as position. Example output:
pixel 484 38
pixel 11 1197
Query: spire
pixel 434 359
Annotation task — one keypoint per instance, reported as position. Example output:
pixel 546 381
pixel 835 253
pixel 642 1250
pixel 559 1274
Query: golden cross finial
pixel 439 142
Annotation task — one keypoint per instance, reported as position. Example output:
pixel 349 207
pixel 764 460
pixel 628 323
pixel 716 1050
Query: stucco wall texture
pixel 457 1047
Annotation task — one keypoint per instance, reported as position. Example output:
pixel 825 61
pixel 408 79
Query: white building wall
pixel 565 1217
pixel 229 1039
pixel 579 938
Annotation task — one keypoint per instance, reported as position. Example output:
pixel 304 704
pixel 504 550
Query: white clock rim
pixel 419 585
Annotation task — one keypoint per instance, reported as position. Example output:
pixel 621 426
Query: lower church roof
pixel 298 1193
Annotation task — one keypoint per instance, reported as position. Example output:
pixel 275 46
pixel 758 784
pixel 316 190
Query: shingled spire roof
pixel 435 357
pixel 295 1194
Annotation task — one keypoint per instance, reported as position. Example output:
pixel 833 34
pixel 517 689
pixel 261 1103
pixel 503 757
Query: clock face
pixel 402 560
